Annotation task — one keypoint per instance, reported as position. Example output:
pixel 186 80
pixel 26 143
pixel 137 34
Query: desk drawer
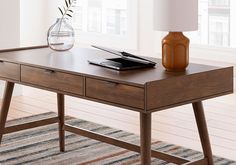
pixel 9 70
pixel 115 93
pixel 52 79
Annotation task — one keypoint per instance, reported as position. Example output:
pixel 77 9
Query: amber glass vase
pixel 175 52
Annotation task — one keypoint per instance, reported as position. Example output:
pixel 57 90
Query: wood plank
pixel 183 113
pixel 53 79
pixel 61 122
pixel 5 106
pixel 145 138
pixel 29 125
pixel 203 131
pixel 16 112
pixel 118 121
pixel 222 150
pixel 198 162
pixel 115 92
pixel 9 71
pixel 122 144
pixel 160 93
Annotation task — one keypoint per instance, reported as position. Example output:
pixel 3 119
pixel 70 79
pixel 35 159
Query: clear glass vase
pixel 61 35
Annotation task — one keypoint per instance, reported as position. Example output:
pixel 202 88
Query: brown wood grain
pixel 61 117
pixel 203 161
pixel 9 70
pixel 186 89
pixel 115 92
pixel 203 131
pixel 52 79
pixel 144 90
pixel 145 138
pixel 110 140
pixel 75 61
pixel 5 107
pixel 30 125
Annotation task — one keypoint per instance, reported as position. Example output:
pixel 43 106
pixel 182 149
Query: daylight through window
pixel 216 23
pixel 101 19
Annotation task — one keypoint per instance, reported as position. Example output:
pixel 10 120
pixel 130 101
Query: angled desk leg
pixel 203 132
pixel 61 116
pixel 5 106
pixel 145 138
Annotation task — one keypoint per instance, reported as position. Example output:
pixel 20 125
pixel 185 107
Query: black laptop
pixel 125 61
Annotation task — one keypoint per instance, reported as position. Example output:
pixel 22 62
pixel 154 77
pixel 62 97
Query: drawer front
pixel 52 79
pixel 115 93
pixel 10 70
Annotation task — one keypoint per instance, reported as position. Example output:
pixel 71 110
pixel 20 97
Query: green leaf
pixel 66 3
pixel 60 10
pixel 70 2
pixel 69 15
pixel 71 11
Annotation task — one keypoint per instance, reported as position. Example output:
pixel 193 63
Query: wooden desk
pixel 144 90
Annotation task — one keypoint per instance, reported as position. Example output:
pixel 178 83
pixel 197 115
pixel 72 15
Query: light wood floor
pixel 174 125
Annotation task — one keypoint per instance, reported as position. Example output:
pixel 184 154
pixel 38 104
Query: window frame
pixel 215 53
pixel 129 41
pixel 200 51
pixel 223 54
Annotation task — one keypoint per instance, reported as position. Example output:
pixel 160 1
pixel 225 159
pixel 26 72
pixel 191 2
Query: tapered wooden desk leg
pixel 145 138
pixel 203 132
pixel 5 107
pixel 61 116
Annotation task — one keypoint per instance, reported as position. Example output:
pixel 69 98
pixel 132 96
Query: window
pixel 106 22
pixel 219 3
pixel 216 24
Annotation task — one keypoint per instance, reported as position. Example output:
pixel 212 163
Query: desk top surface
pixel 76 61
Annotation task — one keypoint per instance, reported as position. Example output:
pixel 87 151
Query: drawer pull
pixel 49 71
pixel 115 92
pixel 112 84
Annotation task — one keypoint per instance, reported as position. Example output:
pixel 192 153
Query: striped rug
pixel 40 146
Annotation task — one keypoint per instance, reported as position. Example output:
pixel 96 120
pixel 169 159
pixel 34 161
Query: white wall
pixel 52 9
pixel 33 22
pixel 146 37
pixel 10 27
pixel 149 40
pixel 233 25
pixel 23 23
pixel 9 30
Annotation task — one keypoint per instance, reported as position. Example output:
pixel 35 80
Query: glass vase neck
pixel 59 19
